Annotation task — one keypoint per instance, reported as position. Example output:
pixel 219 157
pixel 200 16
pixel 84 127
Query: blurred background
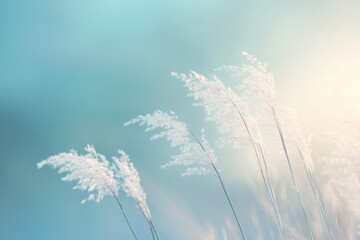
pixel 72 72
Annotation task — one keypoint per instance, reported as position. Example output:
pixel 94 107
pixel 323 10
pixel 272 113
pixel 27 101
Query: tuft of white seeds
pixel 91 172
pixel 256 79
pixel 289 124
pixel 195 154
pixel 126 172
pixel 224 107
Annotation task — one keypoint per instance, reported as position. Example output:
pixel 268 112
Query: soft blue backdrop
pixel 73 71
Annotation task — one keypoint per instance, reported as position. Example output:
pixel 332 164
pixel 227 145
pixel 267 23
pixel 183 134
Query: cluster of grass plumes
pixel 193 150
pixel 239 116
pixel 93 173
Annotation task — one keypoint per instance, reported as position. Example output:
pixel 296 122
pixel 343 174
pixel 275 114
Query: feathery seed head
pixel 195 153
pixel 223 106
pixel 304 148
pixel 91 171
pixel 130 178
pixel 256 79
pixel 289 124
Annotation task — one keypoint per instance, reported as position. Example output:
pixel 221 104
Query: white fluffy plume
pixel 224 107
pixel 195 154
pixel 91 172
pixel 130 178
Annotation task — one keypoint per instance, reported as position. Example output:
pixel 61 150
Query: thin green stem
pixel 265 176
pixel 322 204
pixel 212 162
pixel 317 193
pixel 229 200
pixel 306 215
pixel 154 229
pixel 123 212
pixel 151 227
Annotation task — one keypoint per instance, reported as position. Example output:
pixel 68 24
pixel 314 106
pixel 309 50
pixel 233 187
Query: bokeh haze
pixel 72 72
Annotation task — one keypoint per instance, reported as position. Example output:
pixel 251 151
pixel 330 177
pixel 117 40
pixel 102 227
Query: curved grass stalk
pixel 305 213
pixel 260 80
pixel 230 113
pixel 316 184
pixel 125 217
pixel 153 232
pixel 193 150
pixel 154 229
pixel 229 201
pixel 218 175
pixel 318 196
pixel 264 172
pixel 131 184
